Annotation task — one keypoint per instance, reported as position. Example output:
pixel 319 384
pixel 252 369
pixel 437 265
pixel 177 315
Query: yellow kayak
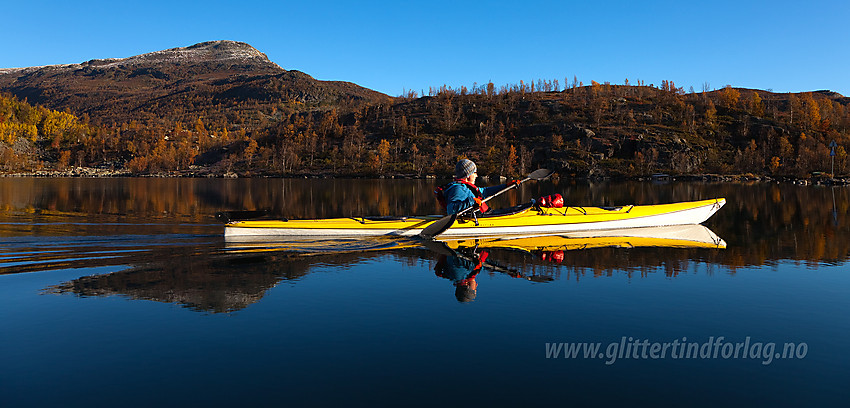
pixel 521 220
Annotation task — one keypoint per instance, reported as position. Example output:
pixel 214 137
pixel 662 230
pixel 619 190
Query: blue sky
pixel 786 46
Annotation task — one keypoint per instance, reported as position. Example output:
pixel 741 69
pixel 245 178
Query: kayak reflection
pixel 240 273
pixel 548 246
pixel 460 261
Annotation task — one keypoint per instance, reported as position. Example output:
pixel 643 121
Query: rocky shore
pixel 201 172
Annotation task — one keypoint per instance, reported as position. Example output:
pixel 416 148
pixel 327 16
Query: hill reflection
pixel 216 282
pixel 217 285
pixel 761 222
pixel 162 234
pixel 241 273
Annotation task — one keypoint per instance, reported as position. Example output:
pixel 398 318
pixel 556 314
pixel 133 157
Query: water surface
pixel 123 291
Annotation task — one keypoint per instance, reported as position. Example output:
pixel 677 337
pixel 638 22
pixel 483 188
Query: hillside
pixel 611 130
pixel 204 80
pixel 222 108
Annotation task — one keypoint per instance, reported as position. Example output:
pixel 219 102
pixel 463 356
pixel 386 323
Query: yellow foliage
pixel 374 162
pixel 10 132
pixel 138 164
pixel 510 164
pixel 756 105
pixel 56 126
pixel 64 159
pixel 774 164
pixel 729 96
pixel 384 149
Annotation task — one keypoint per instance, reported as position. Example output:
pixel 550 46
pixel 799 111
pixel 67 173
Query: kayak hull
pixel 526 222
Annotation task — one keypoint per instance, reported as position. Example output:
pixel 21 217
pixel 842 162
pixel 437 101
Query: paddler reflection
pixel 462 269
pixel 462 265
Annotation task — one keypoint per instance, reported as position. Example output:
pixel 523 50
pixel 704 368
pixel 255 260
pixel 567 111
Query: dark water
pixel 122 292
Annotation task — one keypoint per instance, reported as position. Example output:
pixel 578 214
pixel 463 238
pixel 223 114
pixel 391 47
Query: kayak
pixel 525 219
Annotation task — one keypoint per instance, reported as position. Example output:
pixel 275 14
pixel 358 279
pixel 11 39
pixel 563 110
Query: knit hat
pixel 464 168
pixel 465 294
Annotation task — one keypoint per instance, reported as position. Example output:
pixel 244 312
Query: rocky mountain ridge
pixel 210 51
pixel 175 84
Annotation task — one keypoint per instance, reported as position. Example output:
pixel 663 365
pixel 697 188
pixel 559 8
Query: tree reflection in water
pixel 163 231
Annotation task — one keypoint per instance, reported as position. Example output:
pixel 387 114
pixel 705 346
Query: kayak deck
pixel 524 221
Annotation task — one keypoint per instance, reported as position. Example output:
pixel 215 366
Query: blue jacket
pixel 454 268
pixel 459 197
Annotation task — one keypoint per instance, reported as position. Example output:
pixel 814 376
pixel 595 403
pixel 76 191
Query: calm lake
pixel 123 292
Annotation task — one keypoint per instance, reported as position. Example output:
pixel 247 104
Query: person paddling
pixel 462 193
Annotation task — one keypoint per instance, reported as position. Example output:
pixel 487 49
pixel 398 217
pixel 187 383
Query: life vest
pixel 439 192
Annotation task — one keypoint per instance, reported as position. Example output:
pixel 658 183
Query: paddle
pixel 228 216
pixel 440 226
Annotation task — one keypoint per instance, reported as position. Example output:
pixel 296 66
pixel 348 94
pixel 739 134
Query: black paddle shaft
pixel 229 216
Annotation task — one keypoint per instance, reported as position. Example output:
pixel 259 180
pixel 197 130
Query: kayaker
pixel 462 272
pixel 462 192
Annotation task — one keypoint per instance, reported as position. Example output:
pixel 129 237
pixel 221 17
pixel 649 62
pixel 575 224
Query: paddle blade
pixel 438 227
pixel 439 247
pixel 540 278
pixel 228 216
pixel 540 174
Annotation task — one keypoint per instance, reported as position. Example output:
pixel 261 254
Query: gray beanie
pixel 464 168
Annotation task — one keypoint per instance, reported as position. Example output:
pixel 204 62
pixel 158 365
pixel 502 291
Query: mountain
pixel 222 107
pixel 176 84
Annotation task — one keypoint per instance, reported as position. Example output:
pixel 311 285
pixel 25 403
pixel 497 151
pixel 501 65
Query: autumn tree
pixel 710 115
pixel 841 159
pixel 249 151
pixel 374 162
pixel 509 167
pixel 775 162
pixel 64 159
pixel 330 127
pixel 415 159
pixel 795 107
pixel 755 105
pixel 786 150
pixel 383 154
pixel 811 111
pixel 729 97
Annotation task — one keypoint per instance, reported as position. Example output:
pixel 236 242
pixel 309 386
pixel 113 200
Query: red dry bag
pixel 551 201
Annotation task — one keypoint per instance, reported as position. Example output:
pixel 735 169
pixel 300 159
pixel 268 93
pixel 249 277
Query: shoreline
pixel 90 172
